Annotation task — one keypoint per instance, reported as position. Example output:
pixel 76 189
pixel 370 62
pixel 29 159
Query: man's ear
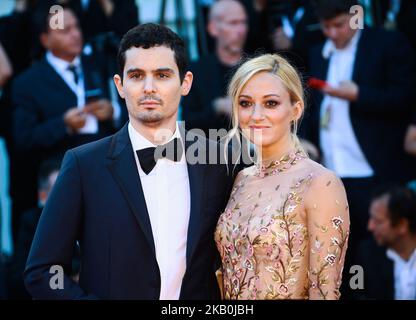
pixel 212 29
pixel 119 85
pixel 44 40
pixel 403 226
pixel 187 83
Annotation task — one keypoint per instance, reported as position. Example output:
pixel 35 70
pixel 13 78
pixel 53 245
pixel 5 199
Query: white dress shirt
pixel 167 194
pixel 404 276
pixel 341 150
pixel 61 67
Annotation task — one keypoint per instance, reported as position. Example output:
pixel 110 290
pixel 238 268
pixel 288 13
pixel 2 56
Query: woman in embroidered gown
pixel 284 232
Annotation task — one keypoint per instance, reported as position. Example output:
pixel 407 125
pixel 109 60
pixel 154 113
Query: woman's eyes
pixel 245 103
pixel 271 103
pixel 268 103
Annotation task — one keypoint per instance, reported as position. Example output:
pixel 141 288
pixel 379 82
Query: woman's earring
pixel 295 126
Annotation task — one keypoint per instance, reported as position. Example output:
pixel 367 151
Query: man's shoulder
pixel 370 252
pixel 32 76
pixel 34 71
pixel 383 38
pixel 92 151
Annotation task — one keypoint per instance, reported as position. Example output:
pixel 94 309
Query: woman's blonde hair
pixel 274 64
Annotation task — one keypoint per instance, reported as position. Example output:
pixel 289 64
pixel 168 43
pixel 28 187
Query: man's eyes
pixel 140 76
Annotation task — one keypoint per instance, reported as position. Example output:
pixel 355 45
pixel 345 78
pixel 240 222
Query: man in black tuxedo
pixel 143 213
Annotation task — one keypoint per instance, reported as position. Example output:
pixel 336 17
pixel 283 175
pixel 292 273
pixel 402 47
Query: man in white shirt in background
pixel 61 97
pixel 389 259
pixel 359 113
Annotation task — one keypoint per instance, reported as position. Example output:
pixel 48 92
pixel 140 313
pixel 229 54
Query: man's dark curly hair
pixel 401 204
pixel 151 35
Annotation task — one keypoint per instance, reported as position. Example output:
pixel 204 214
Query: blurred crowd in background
pixel 360 121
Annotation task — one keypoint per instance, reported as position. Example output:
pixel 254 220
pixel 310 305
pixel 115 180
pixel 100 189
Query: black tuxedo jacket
pixel 98 201
pixel 384 70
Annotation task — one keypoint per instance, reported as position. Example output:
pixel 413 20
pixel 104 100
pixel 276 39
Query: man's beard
pixel 150 116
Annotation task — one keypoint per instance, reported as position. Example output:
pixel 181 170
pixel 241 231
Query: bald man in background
pixel 207 107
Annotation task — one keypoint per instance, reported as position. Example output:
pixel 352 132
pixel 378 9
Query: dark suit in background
pixel 211 79
pixel 98 200
pixel 27 229
pixel 16 266
pixel 384 70
pixel 40 98
pixel 378 272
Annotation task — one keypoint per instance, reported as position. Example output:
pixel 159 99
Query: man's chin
pixel 150 117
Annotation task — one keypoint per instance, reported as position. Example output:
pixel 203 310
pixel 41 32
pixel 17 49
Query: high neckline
pixel 287 161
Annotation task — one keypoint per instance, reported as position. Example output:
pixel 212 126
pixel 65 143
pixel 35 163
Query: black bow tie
pixel 148 157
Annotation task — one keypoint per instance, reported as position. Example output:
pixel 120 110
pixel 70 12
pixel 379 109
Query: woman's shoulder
pixel 319 172
pixel 247 171
pixel 324 181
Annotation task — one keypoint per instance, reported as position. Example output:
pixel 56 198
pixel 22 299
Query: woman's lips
pixel 258 127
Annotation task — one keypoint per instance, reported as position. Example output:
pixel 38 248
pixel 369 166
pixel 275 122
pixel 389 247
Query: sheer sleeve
pixel 328 229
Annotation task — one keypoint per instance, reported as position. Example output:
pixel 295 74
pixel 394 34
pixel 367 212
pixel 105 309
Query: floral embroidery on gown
pixel 284 232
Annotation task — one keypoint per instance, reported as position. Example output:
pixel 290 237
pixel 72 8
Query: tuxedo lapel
pixel 196 173
pixel 124 170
